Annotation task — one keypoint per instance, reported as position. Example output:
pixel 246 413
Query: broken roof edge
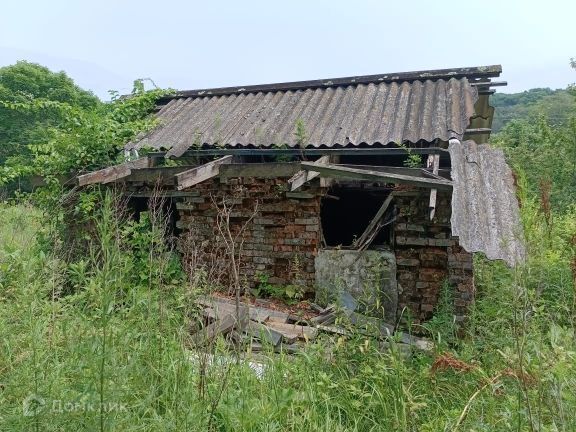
pixel 485 209
pixel 473 72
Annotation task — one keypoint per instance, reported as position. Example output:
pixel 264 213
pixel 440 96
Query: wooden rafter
pixel 113 173
pixel 199 174
pixel 304 176
pixel 338 171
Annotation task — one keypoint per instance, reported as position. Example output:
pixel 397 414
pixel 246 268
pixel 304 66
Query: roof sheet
pixel 485 212
pixel 336 113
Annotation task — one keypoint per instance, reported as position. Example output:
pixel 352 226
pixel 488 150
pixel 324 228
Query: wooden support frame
pixel 202 173
pixel 304 176
pixel 338 171
pixel 113 173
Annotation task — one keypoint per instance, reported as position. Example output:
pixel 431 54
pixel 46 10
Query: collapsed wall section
pixel 278 231
pixel 427 256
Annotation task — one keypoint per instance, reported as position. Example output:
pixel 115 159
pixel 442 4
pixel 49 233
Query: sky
pixel 106 44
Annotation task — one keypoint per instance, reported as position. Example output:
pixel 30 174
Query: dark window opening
pixel 142 204
pixel 346 213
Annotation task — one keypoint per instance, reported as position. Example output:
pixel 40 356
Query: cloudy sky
pixel 106 44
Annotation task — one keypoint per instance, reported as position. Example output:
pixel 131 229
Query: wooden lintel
pixel 302 177
pixel 202 173
pixel 260 170
pixel 434 163
pixel 336 171
pixel 113 173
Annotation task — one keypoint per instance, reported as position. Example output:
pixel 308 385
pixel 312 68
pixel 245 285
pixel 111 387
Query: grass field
pixel 98 343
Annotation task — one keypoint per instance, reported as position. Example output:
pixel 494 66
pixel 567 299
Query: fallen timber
pixel 285 332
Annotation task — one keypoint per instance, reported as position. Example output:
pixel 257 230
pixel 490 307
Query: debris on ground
pixel 288 328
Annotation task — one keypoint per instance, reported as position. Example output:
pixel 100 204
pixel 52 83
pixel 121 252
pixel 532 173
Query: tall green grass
pixel 100 342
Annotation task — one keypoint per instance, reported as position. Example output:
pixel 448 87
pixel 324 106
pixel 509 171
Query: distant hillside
pixel 558 105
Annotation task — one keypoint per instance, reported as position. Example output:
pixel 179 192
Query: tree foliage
pixel 70 130
pixel 546 154
pixel 557 105
pixel 24 83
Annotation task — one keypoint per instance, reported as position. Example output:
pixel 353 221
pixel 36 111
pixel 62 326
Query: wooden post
pixel 434 163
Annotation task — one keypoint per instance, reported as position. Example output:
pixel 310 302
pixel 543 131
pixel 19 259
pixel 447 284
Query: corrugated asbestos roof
pixel 369 110
pixel 485 213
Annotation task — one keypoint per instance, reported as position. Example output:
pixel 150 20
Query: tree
pixel 23 83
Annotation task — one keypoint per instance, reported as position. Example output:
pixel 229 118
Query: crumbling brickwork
pixel 281 233
pixel 282 237
pixel 427 256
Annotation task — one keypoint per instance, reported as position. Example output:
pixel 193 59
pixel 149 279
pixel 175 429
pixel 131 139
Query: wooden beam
pixel 478 131
pixel 434 163
pixel 350 151
pixel 367 234
pixel 202 173
pixel 304 176
pixel 443 174
pixel 261 170
pixel 489 84
pixel 113 173
pixel 336 171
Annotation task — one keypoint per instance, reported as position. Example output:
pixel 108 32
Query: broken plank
pixel 202 173
pixel 374 222
pixel 256 313
pixel 113 173
pixel 304 176
pixel 333 329
pixel 337 171
pixel 291 332
pixel 327 318
pixel 263 332
pixel 208 333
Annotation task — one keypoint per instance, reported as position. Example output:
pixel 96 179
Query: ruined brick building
pixel 381 185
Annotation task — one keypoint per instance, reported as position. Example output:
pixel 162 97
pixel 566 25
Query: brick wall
pixel 280 241
pixel 427 256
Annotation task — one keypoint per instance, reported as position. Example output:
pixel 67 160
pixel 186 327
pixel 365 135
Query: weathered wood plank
pixel 157 175
pixel 304 176
pixel 360 242
pixel 113 173
pixel 291 332
pixel 256 313
pixel 261 170
pixel 434 163
pixel 208 333
pixel 264 333
pixel 371 175
pixel 202 173
pixel 300 195
pixel 262 151
pixel 443 174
